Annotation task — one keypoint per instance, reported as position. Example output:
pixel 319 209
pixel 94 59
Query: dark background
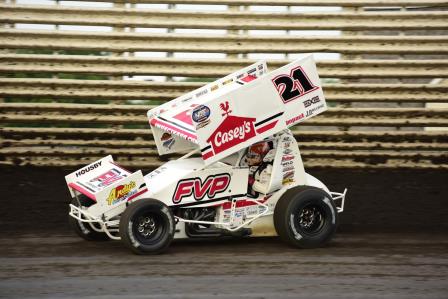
pixel 35 199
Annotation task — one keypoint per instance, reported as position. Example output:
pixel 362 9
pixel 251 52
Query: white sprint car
pixel 242 175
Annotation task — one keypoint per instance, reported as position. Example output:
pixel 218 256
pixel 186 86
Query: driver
pixel 259 158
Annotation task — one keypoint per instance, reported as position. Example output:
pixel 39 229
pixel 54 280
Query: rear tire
pixel 147 227
pixel 83 229
pixel 305 217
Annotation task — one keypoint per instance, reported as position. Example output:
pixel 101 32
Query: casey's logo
pixel 121 192
pixel 232 131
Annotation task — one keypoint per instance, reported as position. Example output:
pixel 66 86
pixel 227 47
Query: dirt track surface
pixel 352 266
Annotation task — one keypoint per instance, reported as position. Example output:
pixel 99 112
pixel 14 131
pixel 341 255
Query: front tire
pixel 147 227
pixel 84 229
pixel 305 217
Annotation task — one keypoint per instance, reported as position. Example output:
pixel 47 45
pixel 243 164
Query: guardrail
pixel 224 20
pixel 127 66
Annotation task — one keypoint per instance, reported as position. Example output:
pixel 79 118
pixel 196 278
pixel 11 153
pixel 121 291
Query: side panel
pixel 168 142
pixel 288 168
pixel 260 108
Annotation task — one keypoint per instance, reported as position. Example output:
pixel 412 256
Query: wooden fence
pixel 65 103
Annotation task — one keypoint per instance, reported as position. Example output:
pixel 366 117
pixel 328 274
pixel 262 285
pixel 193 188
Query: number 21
pixel 293 86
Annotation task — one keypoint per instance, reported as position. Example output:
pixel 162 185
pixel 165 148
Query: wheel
pixel 83 229
pixel 147 227
pixel 305 217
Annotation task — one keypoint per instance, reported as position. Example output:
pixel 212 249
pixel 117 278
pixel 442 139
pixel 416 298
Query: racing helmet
pixel 256 153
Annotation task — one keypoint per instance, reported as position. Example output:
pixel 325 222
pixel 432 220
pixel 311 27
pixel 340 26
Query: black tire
pixel 147 226
pixel 305 217
pixel 83 229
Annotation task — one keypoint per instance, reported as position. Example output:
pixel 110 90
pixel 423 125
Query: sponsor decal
pixel 249 211
pixel 252 211
pixel 232 131
pixel 239 76
pixel 287 163
pixel 288 174
pixel 287 181
pixel 214 87
pixel 295 119
pixel 167 140
pixel 288 168
pixel 311 101
pixel 227 81
pixel 156 172
pixel 286 144
pixel 200 113
pixel 260 66
pixel 287 158
pixel 201 93
pixel 287 151
pixel 212 185
pixel 106 178
pixel 235 130
pixel 88 168
pixel 187 99
pixel 226 108
pixel 312 110
pixel 252 71
pixel 288 177
pixel 202 124
pixel 294 85
pixel 121 193
pixel 244 203
pixel 185 136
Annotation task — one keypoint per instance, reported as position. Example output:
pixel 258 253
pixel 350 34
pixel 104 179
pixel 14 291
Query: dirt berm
pixel 36 199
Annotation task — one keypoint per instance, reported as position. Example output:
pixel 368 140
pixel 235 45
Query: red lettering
pixel 184 189
pixel 194 187
pixel 219 184
pixel 232 136
pixel 200 191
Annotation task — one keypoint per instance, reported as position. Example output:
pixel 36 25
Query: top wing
pixel 243 108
